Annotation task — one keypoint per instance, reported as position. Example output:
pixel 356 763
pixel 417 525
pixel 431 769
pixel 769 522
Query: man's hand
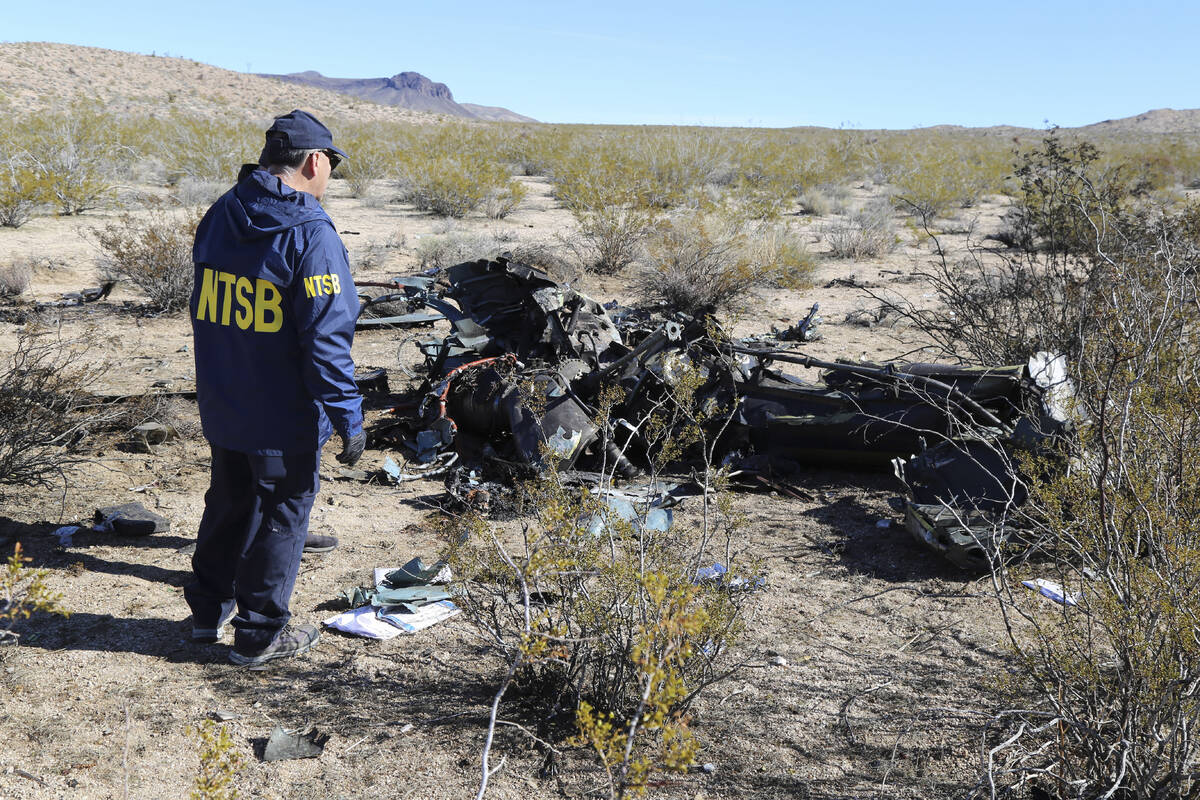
pixel 352 448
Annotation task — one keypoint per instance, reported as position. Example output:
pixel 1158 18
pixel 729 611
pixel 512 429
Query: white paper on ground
pixel 362 621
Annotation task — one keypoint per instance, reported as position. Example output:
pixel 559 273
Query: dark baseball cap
pixel 300 130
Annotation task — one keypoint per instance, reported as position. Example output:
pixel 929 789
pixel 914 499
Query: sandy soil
pixel 881 648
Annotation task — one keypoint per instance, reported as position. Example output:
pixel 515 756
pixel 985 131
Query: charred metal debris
pixel 533 370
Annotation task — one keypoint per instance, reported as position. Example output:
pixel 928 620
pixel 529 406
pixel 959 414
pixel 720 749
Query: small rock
pixel 778 661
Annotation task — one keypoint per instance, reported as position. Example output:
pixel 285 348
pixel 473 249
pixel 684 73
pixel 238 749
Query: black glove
pixel 352 448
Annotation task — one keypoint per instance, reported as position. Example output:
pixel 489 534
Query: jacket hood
pixel 262 205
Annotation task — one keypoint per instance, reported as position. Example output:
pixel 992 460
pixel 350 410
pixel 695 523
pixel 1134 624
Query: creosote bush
pixel 607 636
pixel 23 187
pixel 452 185
pixel 454 247
pixel 1107 687
pixel 153 251
pixel 1103 692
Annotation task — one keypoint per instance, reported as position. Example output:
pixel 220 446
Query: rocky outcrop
pixel 410 90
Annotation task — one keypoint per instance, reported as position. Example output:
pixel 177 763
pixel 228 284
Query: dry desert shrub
pixel 198 192
pixel 1101 687
pixel 44 388
pixel 454 247
pixel 701 263
pixel 14 279
pixel 1104 698
pixel 504 200
pixel 153 251
pixel 865 233
pixel 206 150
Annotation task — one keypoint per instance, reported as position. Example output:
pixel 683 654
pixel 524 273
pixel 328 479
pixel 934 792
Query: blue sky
pixel 890 64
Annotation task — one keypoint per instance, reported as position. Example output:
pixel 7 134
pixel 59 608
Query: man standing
pixel 273 311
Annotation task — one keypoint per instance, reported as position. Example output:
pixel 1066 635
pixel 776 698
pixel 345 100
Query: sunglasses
pixel 334 159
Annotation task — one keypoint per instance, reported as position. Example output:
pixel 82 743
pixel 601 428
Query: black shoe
pixel 316 543
pixel 213 635
pixel 289 642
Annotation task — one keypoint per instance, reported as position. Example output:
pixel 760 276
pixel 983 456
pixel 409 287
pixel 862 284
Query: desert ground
pixel 865 656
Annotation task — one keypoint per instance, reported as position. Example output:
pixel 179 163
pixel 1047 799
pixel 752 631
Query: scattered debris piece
pixel 131 519
pixel 404 599
pixel 1052 590
pixel 287 745
pixel 718 573
pixel 143 438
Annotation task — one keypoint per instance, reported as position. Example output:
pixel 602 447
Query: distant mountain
pixel 410 90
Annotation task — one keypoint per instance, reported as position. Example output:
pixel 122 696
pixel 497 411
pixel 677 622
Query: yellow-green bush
pixel 371 160
pixel 24 592
pixel 220 763
pixel 205 149
pixel 23 187
pixel 605 635
pixel 73 151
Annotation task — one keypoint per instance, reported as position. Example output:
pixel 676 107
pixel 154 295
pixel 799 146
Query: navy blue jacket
pixel 273 310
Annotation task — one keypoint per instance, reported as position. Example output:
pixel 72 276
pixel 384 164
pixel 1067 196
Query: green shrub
pixel 220 763
pixel 1106 688
pixel 448 186
pixel 72 151
pixel 1066 202
pixel 23 187
pixel 24 592
pixel 370 161
pixel 608 635
pixel 780 256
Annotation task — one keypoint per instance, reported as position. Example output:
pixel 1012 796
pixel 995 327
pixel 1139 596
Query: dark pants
pixel 250 542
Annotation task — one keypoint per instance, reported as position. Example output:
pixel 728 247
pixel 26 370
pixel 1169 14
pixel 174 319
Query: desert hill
pixel 42 75
pixel 1160 120
pixel 410 90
